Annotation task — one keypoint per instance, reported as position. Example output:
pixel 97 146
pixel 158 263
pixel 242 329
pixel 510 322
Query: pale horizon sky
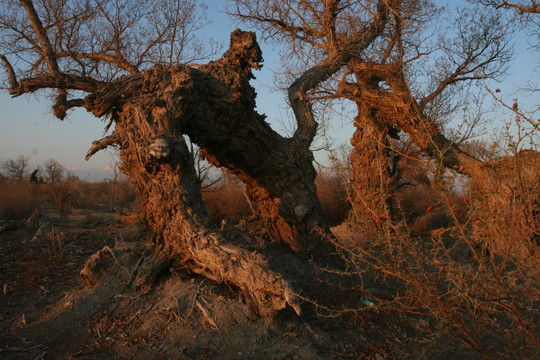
pixel 28 128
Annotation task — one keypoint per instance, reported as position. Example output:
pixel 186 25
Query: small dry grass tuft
pixel 52 245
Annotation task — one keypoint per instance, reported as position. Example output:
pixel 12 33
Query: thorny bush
pixel 460 263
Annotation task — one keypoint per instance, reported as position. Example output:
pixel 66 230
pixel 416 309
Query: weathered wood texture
pixel 214 105
pixel 372 183
pixel 501 194
pixel 163 170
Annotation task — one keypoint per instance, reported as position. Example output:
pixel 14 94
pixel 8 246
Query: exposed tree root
pixel 150 267
pixel 265 291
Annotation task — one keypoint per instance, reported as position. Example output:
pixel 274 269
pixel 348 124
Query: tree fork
pixel 162 168
pixel 214 105
pixel 398 107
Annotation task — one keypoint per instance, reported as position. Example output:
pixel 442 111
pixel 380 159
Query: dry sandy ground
pixel 47 313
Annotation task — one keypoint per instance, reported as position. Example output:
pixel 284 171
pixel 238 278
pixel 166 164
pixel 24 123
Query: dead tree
pixel 152 110
pixel 394 82
pixel 376 77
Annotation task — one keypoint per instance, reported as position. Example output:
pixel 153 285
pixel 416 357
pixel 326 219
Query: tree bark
pixel 371 186
pixel 496 188
pixel 156 157
pixel 278 171
pixel 396 106
pixel 214 105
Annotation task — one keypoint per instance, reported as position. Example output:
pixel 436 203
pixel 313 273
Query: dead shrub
pixel 332 192
pixel 447 277
pixel 467 296
pixel 89 195
pixel 424 208
pixel 226 201
pixel 506 215
pixel 52 245
pixel 119 194
pixel 65 195
pixel 18 198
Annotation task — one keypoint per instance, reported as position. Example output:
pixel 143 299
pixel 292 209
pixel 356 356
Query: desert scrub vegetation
pixel 331 190
pixel 50 187
pixel 462 255
pixel 64 195
pixel 225 199
pixel 18 197
pixel 451 285
pixel 223 194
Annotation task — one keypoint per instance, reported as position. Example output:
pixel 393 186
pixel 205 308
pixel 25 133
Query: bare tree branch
pixel 11 73
pixel 521 6
pixel 62 81
pixel 298 97
pixel 41 34
pixel 101 144
pixel 98 41
pixel 118 61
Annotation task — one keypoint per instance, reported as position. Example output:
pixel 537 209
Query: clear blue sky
pixel 28 128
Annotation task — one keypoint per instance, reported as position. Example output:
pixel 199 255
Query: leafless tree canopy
pixel 403 79
pixel 430 59
pixel 83 45
pixel 54 170
pixel 17 168
pixel 520 6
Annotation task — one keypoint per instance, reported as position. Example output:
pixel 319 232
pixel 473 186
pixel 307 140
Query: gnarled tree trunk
pixel 214 105
pixel 372 182
pixel 156 157
pixel 496 187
